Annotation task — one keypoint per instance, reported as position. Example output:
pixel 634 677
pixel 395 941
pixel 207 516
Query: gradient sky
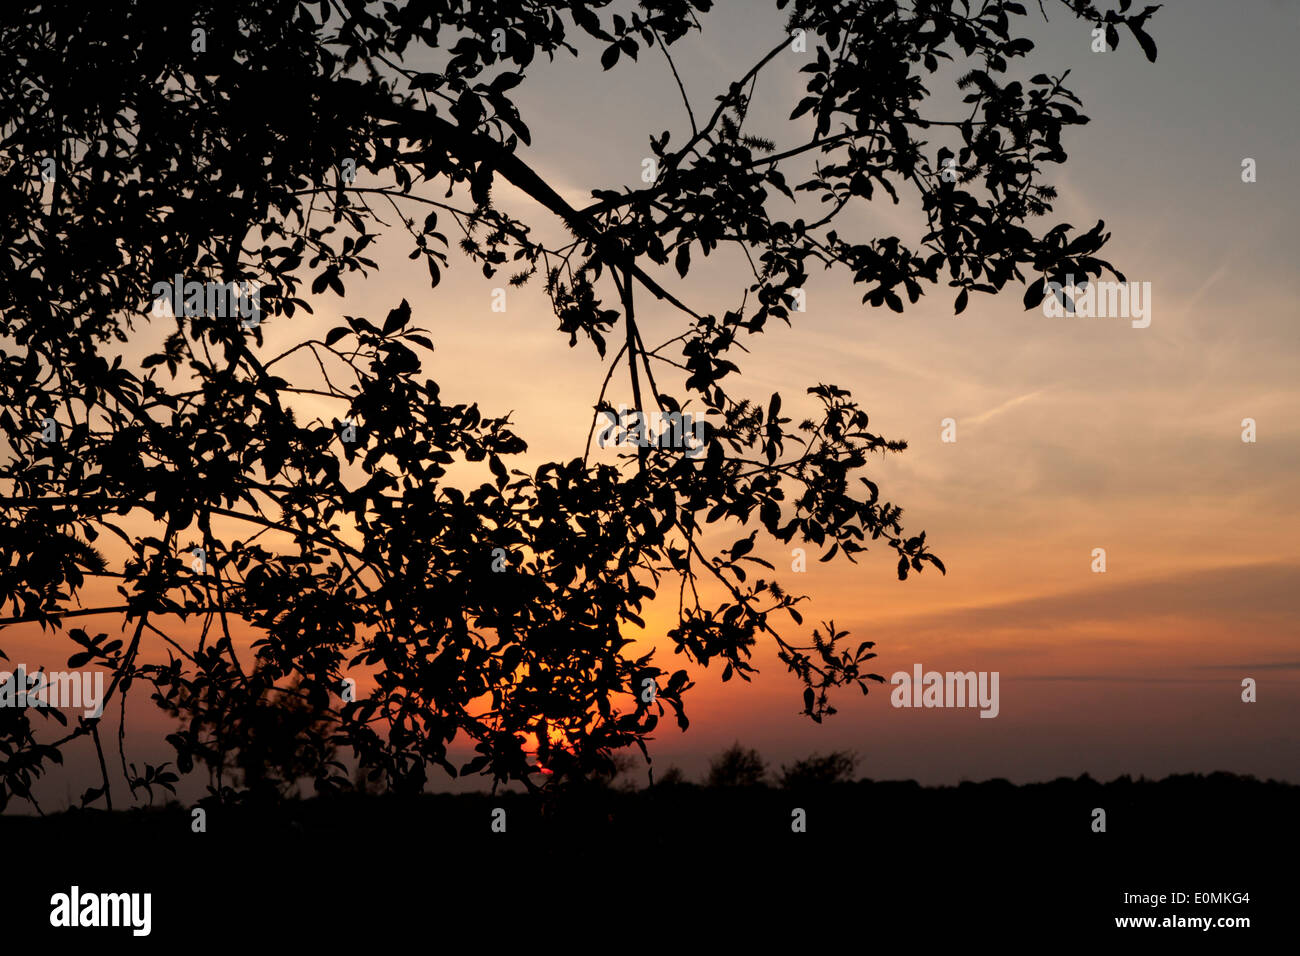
pixel 1072 434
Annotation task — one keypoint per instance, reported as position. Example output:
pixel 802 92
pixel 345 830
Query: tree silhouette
pixel 818 770
pixel 217 140
pixel 736 767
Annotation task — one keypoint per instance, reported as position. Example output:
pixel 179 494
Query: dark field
pixel 687 866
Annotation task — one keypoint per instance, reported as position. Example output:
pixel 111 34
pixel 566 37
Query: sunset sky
pixel 1072 434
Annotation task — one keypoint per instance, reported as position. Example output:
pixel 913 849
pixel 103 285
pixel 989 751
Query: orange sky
pixel 1072 434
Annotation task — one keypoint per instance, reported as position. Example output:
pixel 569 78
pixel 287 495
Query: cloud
pixel 1235 594
pixel 1011 403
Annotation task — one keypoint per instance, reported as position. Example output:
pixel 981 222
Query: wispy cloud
pixel 983 417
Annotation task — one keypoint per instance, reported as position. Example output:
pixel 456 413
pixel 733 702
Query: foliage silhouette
pixel 212 140
pixel 818 770
pixel 671 777
pixel 736 767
